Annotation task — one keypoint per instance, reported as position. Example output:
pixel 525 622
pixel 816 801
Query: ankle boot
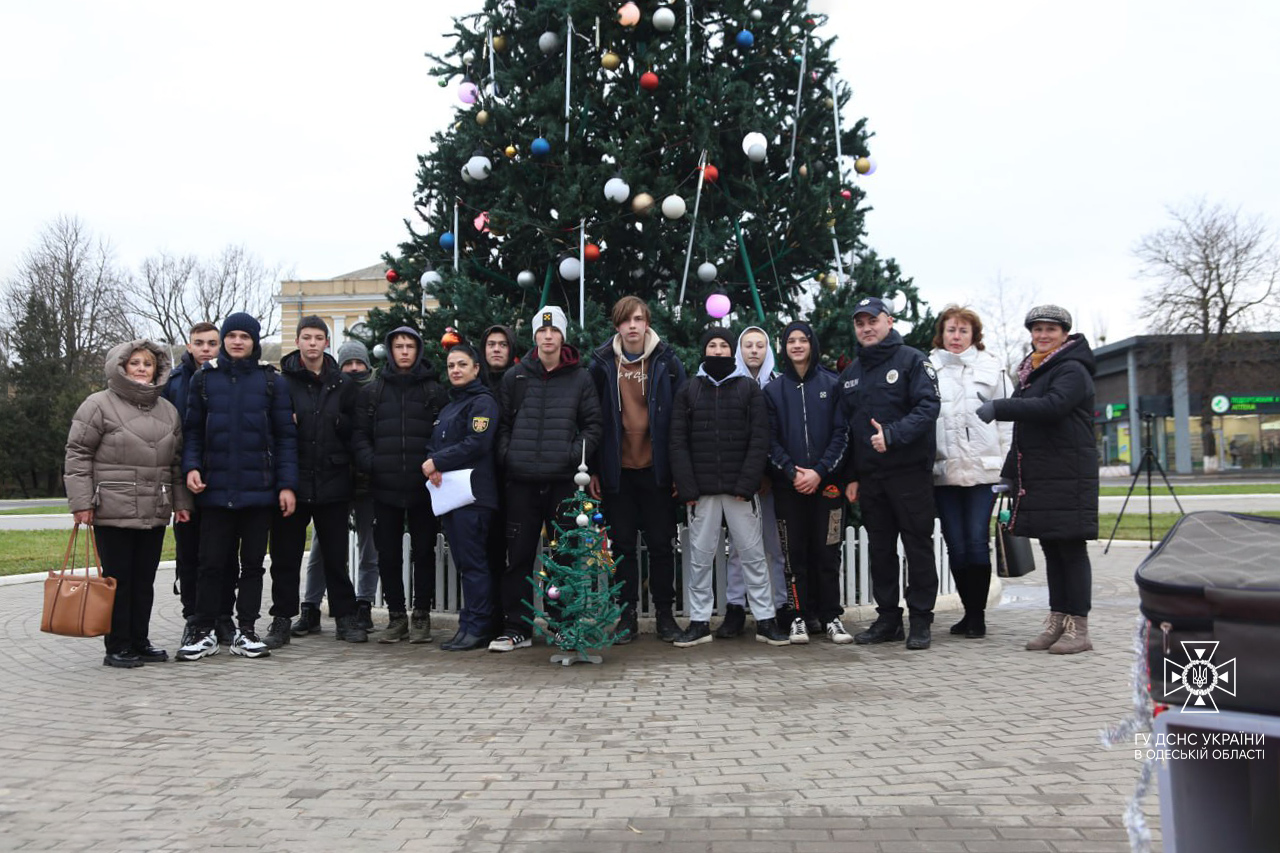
pixel 1075 637
pixel 349 630
pixel 734 622
pixel 1052 631
pixel 397 629
pixel 420 627
pixel 308 621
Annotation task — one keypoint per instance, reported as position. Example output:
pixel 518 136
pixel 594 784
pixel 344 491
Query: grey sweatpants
pixel 743 519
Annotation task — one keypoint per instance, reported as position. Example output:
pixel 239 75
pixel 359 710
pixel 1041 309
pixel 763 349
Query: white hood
pixel 766 369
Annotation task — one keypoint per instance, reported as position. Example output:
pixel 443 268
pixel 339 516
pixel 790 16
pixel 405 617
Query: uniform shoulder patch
pixel 479 424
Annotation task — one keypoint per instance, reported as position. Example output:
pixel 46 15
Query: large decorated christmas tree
pixel 697 154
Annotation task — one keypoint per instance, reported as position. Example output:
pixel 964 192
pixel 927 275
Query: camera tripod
pixel 1149 462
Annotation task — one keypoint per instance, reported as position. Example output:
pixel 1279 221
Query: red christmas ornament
pixel 846 194
pixel 649 81
pixel 711 173
pixel 393 276
pixel 592 252
pixel 451 338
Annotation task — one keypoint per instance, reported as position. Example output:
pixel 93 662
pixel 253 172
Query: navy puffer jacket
pixel 324 406
pixel 394 417
pixel 805 424
pixel 1053 463
pixel 239 434
pixel 175 390
pixel 465 437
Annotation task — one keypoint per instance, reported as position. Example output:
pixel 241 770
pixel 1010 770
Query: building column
pixel 339 333
pixel 1181 409
pixel 1135 417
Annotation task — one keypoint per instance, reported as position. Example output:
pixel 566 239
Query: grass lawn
pixel 23 551
pixel 1157 488
pixel 1134 524
pixel 38 510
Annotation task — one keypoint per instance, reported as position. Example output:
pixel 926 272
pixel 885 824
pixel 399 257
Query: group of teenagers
pixel 771 445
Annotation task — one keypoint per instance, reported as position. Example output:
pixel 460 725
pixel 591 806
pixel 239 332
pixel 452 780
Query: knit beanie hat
pixel 713 333
pixel 1049 314
pixel 242 322
pixel 551 315
pixel 353 351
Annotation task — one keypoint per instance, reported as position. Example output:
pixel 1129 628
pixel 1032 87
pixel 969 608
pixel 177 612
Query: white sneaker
pixel 247 645
pixel 799 633
pixel 510 642
pixel 837 633
pixel 202 645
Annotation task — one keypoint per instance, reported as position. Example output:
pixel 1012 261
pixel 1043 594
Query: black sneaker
pixel 364 614
pixel 148 653
pixel 279 633
pixel 735 622
pixel 695 635
pixel 628 626
pixel 767 631
pixel 919 638
pixel 666 627
pixel 189 634
pixel 224 628
pixel 883 630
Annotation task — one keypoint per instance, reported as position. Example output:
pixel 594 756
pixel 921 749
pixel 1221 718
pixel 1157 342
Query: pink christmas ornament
pixel 718 305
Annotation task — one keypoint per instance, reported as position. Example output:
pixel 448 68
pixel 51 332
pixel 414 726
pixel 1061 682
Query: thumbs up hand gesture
pixel 878 440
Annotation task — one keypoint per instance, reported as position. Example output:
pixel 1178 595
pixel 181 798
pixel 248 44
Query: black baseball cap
pixel 872 305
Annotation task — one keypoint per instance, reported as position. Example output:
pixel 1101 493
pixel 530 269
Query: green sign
pixel 1255 404
pixel 1117 410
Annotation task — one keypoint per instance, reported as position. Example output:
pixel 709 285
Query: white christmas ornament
pixel 570 269
pixel 526 278
pixel 479 167
pixel 549 42
pixel 673 207
pixel 466 176
pixel 707 271
pixel 756 153
pixel 753 139
pixel 664 20
pixel 756 14
pixel 617 190
pixel 430 278
pixel 469 57
pixel 582 520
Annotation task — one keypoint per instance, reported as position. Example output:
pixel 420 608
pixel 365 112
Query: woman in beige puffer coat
pixel 123 476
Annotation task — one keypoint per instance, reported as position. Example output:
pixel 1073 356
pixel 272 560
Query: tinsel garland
pixel 1123 734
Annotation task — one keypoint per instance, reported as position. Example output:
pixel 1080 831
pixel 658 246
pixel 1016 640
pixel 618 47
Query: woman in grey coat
pixel 123 476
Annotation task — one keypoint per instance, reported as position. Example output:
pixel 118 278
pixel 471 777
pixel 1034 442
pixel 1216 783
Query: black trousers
pixel 224 534
pixel 811 528
pixel 388 533
pixel 186 540
pixel 1069 574
pixel 289 540
pixel 467 529
pixel 530 506
pixel 130 556
pixel 640 504
pixel 901 505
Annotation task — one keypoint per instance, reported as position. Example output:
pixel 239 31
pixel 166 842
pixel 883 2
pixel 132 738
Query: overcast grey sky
pixel 1033 140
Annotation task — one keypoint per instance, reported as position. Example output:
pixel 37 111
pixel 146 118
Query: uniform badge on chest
pixel 891 377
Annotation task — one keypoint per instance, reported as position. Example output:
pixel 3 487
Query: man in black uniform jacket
pixel 889 397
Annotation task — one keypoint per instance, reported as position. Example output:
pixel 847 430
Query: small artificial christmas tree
pixel 693 155
pixel 577 575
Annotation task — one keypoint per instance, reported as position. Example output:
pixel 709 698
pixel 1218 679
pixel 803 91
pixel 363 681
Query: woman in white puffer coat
pixel 970 455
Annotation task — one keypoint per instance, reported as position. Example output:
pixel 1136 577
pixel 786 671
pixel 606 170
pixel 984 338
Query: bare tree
pixel 1215 271
pixel 171 293
pixel 1003 307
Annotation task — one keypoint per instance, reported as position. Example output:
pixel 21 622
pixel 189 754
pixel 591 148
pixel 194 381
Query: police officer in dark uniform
pixel 889 397
pixel 463 439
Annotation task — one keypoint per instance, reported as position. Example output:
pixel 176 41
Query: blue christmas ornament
pixel 540 147
pixel 598 518
pixel 746 40
pixel 446 241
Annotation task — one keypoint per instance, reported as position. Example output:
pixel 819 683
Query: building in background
pixel 343 302
pixel 1170 378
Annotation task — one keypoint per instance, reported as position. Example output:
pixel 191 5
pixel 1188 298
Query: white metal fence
pixel 855 572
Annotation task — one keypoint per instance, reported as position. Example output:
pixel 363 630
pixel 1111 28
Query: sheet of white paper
pixel 454 491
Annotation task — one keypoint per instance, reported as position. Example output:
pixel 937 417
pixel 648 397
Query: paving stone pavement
pixel 971 747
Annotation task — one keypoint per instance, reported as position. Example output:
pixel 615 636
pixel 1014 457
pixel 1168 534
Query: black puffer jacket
pixel 394 417
pixel 895 386
pixel 324 407
pixel 1053 463
pixel 546 419
pixel 719 437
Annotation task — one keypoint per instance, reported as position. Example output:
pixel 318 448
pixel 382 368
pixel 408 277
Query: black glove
pixel 987 412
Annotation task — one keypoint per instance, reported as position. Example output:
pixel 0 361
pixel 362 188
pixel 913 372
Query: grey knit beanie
pixel 1049 314
pixel 353 351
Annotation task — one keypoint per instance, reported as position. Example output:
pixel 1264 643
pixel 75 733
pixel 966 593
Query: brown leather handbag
pixel 78 605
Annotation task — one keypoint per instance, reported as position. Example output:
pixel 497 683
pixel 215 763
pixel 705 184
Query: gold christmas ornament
pixel 510 151
pixel 610 61
pixel 482 118
pixel 642 203
pixel 829 102
pixel 499 44
pixel 862 165
pixel 831 281
pixel 804 170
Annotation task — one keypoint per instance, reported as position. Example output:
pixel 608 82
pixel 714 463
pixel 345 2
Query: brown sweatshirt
pixel 633 398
